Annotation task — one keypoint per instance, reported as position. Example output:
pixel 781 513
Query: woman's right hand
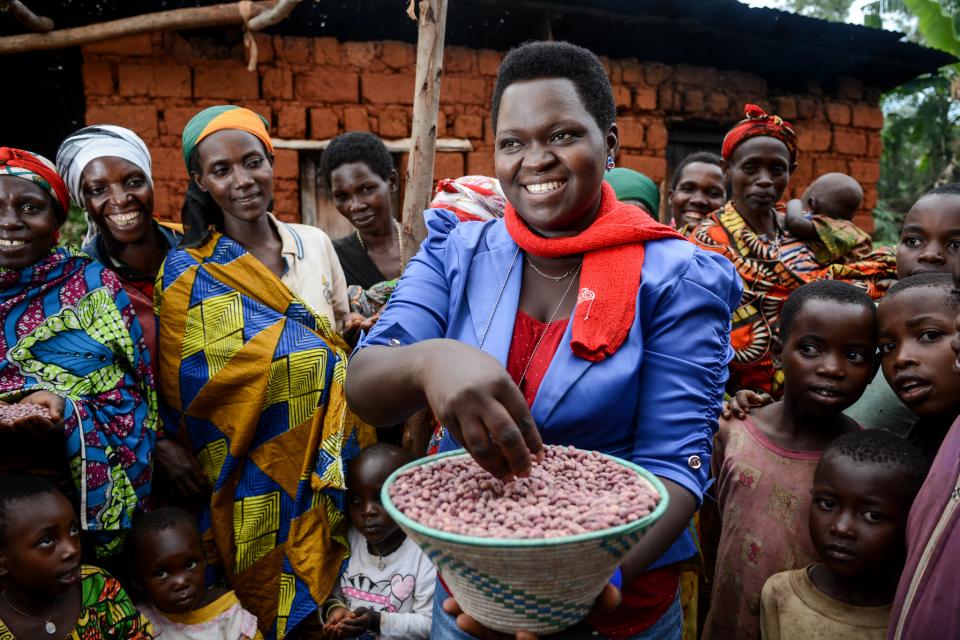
pixel 181 468
pixel 474 397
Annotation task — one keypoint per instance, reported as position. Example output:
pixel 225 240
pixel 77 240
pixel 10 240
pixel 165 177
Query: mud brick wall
pixel 316 88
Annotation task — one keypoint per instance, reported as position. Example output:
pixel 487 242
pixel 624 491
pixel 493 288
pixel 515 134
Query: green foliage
pixel 937 26
pixel 835 10
pixel 74 228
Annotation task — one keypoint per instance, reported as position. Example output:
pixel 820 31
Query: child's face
pixel 858 517
pixel 41 553
pixel 916 327
pixel 827 359
pixel 171 566
pixel 367 515
pixel 930 239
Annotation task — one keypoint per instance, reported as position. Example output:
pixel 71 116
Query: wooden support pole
pixel 271 17
pixel 22 14
pixel 426 105
pixel 191 18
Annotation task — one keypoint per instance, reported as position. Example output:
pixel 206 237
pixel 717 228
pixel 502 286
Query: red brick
pixel 874 145
pixel 447 165
pixel 718 103
pixel 360 54
pixel 324 123
pixel 813 137
pixel 292 121
pixel 327 85
pixel 264 48
pixel 657 73
pixel 480 163
pixel 136 45
pixel 459 60
pixel 378 88
pixel 394 123
pixel 808 109
pixel 645 99
pixel 155 80
pixel 399 55
pixel 850 142
pixel 828 164
pixel 668 98
pixel 167 163
pixel 488 62
pixel 97 78
pixel 142 119
pixel 462 90
pixel 286 164
pixel 850 89
pixel 867 116
pixel 622 97
pixel 864 220
pixel 467 126
pixel 326 51
pixel 653 167
pixel 838 113
pixel 277 83
pixel 802 176
pixel 656 136
pixel 693 101
pixel 176 118
pixel 787 108
pixel 356 119
pixel 293 50
pixel 747 82
pixel 869 198
pixel 286 200
pixel 865 171
pixel 631 71
pixel 631 133
pixel 225 81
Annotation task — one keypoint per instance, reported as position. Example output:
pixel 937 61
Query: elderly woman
pixel 251 369
pixel 573 311
pixel 759 154
pixel 72 344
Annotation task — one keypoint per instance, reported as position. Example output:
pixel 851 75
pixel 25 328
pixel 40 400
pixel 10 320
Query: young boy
pixel 862 491
pixel 916 321
pixel 387 588
pixel 47 593
pixel 170 568
pixel 764 463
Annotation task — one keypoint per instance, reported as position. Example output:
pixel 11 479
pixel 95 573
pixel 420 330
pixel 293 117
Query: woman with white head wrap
pixel 107 170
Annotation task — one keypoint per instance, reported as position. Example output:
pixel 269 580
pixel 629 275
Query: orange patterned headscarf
pixel 759 123
pixel 226 116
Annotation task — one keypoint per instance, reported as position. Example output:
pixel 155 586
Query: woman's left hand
pixel 607 601
pixel 37 424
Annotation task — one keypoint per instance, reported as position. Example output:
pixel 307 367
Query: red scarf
pixel 613 248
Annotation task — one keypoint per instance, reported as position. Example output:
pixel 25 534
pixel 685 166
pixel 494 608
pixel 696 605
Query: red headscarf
pixel 612 266
pixel 37 169
pixel 759 123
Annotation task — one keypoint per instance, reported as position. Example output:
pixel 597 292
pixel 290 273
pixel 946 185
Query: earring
pixel 610 163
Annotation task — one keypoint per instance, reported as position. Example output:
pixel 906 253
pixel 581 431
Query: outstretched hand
pixel 36 424
pixel 742 401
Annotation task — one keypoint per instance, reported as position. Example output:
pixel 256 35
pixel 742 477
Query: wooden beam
pixel 191 18
pixel 401 145
pixel 431 29
pixel 22 14
pixel 271 17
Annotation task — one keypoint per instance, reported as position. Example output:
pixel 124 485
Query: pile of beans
pixel 569 492
pixel 10 412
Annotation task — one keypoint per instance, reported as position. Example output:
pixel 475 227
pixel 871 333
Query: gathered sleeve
pixel 686 352
pixel 418 309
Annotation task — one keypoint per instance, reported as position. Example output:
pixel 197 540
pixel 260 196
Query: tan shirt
pixel 792 608
pixel 313 270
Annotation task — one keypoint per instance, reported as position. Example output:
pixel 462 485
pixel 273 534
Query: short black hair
pixel 876 446
pixel 829 290
pixel 160 520
pixel 705 157
pixel 15 488
pixel 536 60
pixel 356 146
pixel 949 189
pixel 383 454
pixel 935 280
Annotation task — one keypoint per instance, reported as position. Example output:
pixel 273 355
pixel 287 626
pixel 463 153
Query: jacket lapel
pixel 490 271
pixel 565 370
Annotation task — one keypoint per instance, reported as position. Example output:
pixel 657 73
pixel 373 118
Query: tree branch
pixel 22 14
pixel 272 16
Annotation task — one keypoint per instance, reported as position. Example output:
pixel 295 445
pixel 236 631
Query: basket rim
pixel 408 523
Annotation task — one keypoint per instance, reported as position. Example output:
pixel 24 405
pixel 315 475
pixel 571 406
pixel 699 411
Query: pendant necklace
pixel 48 625
pixel 396 226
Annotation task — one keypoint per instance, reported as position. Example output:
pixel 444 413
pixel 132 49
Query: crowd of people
pixel 190 412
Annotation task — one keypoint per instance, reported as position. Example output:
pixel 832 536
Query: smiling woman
pixel 572 311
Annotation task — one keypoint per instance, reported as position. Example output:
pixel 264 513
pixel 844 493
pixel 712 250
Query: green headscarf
pixel 633 185
pixel 225 116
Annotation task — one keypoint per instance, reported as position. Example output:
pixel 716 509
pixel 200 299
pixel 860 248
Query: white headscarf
pixel 90 143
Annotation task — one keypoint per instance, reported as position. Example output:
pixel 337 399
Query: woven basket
pixel 540 585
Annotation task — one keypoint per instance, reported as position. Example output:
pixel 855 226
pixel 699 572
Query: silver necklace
pixel 48 625
pixel 550 277
pixel 396 226
pixel 553 315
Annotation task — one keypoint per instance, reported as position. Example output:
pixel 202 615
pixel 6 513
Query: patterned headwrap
pixel 633 185
pixel 470 198
pixel 759 123
pixel 37 169
pixel 225 116
pixel 98 141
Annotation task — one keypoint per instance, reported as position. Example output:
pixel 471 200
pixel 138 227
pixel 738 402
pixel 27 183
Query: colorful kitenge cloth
pixel 255 377
pixel 770 270
pixel 106 611
pixel 470 198
pixel 69 328
pixel 369 302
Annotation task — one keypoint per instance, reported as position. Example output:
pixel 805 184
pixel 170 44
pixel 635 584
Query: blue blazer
pixel 654 402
